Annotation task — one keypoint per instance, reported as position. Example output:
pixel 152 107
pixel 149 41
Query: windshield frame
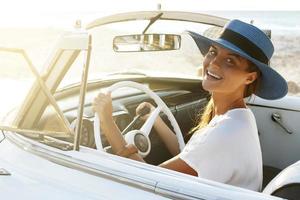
pixel 68 43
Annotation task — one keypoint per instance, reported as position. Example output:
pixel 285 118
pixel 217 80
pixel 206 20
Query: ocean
pixel 282 21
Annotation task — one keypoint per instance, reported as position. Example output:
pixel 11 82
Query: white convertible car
pixel 51 146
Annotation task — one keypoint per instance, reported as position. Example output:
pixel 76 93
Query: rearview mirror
pixel 146 42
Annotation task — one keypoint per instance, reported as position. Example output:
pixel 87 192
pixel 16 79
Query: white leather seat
pixel 286 184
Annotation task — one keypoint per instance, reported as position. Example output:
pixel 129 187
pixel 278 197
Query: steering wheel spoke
pixel 97 137
pixel 146 128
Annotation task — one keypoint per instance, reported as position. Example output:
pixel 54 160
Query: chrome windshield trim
pixel 167 15
pixel 83 87
pixel 34 133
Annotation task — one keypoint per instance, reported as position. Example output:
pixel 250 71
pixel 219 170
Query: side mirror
pixel 146 42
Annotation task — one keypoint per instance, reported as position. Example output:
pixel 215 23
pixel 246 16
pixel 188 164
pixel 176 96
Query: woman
pixel 225 145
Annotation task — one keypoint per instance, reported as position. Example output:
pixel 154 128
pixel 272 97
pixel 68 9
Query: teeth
pixel 213 75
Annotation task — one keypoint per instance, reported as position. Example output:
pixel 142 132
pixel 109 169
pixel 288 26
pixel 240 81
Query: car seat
pixel 286 184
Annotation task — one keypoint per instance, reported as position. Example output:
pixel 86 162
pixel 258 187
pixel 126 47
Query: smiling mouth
pixel 214 76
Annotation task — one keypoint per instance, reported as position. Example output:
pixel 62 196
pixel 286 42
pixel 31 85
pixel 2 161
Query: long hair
pixel 208 113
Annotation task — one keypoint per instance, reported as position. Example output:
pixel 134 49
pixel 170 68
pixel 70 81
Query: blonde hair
pixel 206 116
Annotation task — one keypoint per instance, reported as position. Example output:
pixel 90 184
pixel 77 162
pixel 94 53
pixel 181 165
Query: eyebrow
pixel 231 54
pixel 235 55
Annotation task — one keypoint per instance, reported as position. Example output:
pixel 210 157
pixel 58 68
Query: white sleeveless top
pixel 227 150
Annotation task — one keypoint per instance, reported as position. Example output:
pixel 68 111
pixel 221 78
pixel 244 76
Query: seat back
pixel 286 184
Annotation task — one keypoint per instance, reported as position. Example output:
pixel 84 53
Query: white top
pixel 227 150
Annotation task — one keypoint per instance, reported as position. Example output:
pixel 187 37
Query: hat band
pixel 244 44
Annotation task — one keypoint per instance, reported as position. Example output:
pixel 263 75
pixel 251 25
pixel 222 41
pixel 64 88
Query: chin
pixel 208 87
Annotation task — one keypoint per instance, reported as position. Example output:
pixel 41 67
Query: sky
pixel 66 12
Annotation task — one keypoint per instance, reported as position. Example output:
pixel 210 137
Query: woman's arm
pixel 118 143
pixel 102 105
pixel 115 138
pixel 167 135
pixel 177 164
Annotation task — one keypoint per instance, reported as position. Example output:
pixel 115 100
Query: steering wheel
pixel 140 138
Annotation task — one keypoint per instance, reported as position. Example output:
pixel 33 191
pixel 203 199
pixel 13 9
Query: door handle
pixel 276 117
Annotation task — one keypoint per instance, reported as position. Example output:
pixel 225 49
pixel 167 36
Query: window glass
pixel 15 82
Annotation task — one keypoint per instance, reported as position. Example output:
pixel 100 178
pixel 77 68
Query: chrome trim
pixel 35 133
pixel 82 95
pixel 174 192
pixel 272 107
pixel 4 172
pixel 167 15
pixel 276 117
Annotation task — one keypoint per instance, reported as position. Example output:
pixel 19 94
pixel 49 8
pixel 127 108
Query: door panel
pixel 279 148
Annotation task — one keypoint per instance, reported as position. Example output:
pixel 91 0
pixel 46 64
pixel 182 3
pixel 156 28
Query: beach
pixel 286 60
pixel 39 41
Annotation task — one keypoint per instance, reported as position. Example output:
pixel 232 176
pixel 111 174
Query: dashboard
pixel 185 102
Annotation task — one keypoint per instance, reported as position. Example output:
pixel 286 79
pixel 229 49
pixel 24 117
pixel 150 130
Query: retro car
pixel 51 146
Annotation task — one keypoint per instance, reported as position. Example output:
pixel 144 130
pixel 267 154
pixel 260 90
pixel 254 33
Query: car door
pixel 278 123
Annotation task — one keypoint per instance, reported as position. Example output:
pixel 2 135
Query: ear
pixel 251 77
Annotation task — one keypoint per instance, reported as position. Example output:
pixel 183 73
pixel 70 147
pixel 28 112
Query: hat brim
pixel 272 84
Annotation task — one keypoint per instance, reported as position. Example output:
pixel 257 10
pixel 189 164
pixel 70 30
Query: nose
pixel 215 62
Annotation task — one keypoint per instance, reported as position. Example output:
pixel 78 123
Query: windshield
pixel 15 82
pixel 104 60
pixel 182 62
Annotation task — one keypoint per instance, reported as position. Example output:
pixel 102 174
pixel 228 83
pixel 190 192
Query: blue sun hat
pixel 253 44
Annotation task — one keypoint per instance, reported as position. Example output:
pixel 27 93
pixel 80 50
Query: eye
pixel 230 60
pixel 212 52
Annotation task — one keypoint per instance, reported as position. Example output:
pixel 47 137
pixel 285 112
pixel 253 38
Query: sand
pixel 286 59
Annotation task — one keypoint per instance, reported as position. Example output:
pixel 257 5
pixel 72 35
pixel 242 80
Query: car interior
pixel 186 99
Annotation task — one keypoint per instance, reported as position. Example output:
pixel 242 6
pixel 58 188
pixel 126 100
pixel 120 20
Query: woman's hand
pixel 143 105
pixel 102 105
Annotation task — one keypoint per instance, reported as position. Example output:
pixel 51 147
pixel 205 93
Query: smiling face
pixel 225 72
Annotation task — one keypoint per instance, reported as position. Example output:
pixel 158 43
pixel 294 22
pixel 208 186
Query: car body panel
pixel 275 138
pixel 62 173
pixel 33 177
